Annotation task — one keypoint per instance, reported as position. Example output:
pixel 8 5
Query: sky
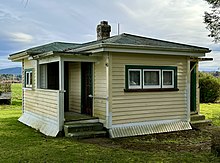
pixel 28 23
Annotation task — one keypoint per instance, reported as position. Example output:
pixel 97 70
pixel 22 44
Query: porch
pixel 77 78
pixel 66 74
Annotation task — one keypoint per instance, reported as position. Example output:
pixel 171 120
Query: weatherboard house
pixel 133 85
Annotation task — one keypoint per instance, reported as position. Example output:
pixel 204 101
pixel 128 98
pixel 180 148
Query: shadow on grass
pixel 18 103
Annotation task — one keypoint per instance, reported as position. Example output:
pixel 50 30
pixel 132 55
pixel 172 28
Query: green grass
pixel 212 112
pixel 19 143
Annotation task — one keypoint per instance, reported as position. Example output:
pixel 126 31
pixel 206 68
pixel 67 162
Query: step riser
pixel 197 118
pixel 198 124
pixel 87 128
pixel 82 121
pixel 84 129
pixel 86 135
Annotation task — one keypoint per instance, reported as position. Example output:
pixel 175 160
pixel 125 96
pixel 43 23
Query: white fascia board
pixel 43 55
pixel 18 57
pixel 54 57
pixel 140 49
pixel 75 58
pixel 49 59
pixel 159 52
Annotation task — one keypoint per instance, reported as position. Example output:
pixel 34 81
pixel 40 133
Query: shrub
pixel 209 88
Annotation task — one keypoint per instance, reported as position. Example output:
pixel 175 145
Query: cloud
pixel 179 21
pixel 41 21
pixel 216 60
pixel 21 37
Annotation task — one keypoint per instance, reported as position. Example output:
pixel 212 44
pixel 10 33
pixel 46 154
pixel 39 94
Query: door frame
pixel 193 86
pixel 84 66
pixel 66 86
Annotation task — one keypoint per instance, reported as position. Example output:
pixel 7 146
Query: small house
pixel 134 85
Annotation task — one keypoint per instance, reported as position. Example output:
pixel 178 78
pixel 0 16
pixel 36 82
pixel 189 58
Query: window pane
pixel 151 78
pixel 30 78
pixel 134 78
pixel 27 78
pixel 167 78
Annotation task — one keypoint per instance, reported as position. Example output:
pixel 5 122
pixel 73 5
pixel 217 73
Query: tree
pixel 209 88
pixel 212 20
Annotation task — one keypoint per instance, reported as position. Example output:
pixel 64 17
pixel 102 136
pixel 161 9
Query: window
pixel 49 76
pixel 146 78
pixel 134 78
pixel 151 78
pixel 168 78
pixel 28 78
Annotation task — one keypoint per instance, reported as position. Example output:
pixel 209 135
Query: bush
pixel 209 88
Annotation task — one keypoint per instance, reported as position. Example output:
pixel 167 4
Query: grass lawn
pixel 212 112
pixel 19 143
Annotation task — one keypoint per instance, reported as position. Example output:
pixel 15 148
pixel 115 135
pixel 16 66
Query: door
pixel 86 88
pixel 193 87
pixel 66 86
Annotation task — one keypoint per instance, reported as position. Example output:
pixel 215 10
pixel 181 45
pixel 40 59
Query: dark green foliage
pixel 212 19
pixel 209 88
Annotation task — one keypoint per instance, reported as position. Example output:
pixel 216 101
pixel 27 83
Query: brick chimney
pixel 103 30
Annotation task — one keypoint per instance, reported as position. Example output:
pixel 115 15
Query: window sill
pixel 27 88
pixel 152 90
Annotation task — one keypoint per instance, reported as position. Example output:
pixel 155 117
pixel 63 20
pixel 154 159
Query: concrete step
pixel 197 117
pixel 94 120
pixel 201 123
pixel 80 127
pixel 87 134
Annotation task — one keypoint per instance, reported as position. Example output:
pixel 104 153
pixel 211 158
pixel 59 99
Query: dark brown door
pixel 87 88
pixel 193 87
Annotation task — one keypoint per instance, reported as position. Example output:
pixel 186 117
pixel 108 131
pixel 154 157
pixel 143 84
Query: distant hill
pixel 14 71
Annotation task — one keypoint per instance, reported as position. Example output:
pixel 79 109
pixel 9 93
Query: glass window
pixel 168 79
pixel 28 78
pixel 134 78
pixel 151 78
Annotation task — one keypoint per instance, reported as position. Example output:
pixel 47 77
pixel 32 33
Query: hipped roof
pixel 118 40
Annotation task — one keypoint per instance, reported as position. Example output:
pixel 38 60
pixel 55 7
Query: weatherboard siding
pixel 100 87
pixel 31 64
pixel 75 87
pixel 130 107
pixel 42 102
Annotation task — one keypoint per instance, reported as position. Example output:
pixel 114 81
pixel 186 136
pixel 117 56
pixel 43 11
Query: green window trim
pixel 159 70
pixel 28 78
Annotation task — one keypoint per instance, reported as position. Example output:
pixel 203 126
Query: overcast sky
pixel 25 24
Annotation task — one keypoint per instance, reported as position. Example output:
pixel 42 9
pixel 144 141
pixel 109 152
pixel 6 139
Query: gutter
pixel 139 47
pixel 18 57
pixel 59 53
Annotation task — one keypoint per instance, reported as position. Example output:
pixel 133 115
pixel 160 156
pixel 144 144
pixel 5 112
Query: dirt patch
pixel 181 141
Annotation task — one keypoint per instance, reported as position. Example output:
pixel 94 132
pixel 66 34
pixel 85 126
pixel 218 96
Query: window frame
pixel 168 86
pixel 134 87
pixel 28 78
pixel 150 88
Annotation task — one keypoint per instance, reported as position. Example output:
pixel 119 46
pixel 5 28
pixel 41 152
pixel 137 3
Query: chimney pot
pixel 103 30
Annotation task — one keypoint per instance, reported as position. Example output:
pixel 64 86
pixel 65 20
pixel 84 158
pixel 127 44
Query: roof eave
pixel 58 53
pixel 18 56
pixel 142 48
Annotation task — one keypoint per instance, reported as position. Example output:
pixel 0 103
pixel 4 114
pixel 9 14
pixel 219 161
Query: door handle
pixel 91 96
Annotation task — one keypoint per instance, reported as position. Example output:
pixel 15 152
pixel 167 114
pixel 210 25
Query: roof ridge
pixel 165 41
